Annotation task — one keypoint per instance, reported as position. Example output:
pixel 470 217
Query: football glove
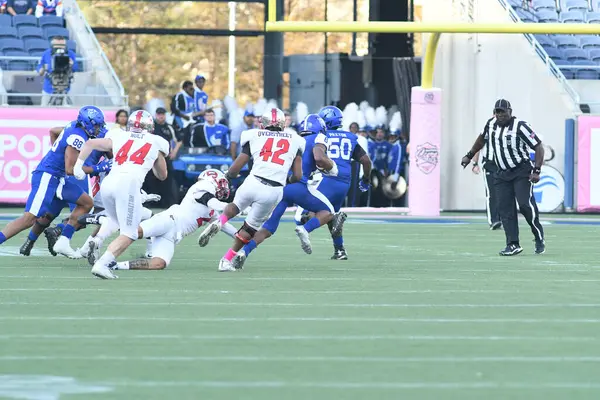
pixel 102 166
pixel 364 185
pixel 149 197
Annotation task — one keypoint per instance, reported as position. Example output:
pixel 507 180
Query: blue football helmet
pixel 332 116
pixel 91 120
pixel 311 125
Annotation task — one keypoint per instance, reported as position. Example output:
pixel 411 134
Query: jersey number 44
pixel 137 157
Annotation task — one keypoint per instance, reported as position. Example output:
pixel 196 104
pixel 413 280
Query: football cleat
pixel 103 271
pixel 339 254
pixel 89 219
pixel 304 239
pixel 239 259
pixel 225 266
pixel 26 248
pixel 540 247
pixel 93 252
pixel 211 230
pixel 52 235
pixel 63 246
pixel 338 223
pixel 511 250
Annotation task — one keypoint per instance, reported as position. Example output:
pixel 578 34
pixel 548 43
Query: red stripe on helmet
pixel 138 118
pixel 273 115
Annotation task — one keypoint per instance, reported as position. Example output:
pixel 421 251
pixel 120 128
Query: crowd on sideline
pixel 29 7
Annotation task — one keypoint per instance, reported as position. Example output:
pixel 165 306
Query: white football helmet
pixel 272 118
pixel 140 121
pixel 220 181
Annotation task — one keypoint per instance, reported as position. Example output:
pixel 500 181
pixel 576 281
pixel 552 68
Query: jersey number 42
pixel 267 153
pixel 137 157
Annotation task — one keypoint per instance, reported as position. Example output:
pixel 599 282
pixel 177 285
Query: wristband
pixel 475 163
pixel 537 170
pixel 470 154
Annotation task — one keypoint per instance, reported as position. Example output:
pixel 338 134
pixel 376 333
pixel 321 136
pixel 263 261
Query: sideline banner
pixel 588 164
pixel 24 140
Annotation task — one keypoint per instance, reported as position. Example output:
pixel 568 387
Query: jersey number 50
pixel 267 151
pixel 136 157
pixel 340 147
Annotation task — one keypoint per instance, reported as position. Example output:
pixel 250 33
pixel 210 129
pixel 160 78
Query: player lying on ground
pixel 48 185
pixel 169 227
pixel 136 153
pixel 314 159
pixel 273 153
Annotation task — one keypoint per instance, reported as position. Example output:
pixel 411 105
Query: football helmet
pixel 140 121
pixel 312 124
pixel 220 181
pixel 91 120
pixel 332 116
pixel 272 118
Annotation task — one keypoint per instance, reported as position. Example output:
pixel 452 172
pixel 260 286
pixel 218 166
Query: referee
pixel 510 139
pixel 489 169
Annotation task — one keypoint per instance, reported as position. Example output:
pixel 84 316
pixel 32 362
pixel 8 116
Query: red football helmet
pixel 221 183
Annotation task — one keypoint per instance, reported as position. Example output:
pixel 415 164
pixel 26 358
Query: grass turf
pixel 419 311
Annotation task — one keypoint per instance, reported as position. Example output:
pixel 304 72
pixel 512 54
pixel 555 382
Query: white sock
pixel 122 265
pixel 106 258
pixel 229 229
pixel 298 215
pixel 149 246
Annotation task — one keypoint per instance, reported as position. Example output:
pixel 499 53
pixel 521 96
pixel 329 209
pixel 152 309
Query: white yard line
pixel 82 318
pixel 308 338
pixel 268 291
pixel 300 305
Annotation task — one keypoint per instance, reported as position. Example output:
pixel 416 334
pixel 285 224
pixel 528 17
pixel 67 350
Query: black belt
pixel 268 182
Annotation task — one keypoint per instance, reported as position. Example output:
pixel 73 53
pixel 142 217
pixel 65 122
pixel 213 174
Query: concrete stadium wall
pixel 474 70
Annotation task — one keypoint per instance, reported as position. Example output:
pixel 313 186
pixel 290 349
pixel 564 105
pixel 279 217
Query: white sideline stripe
pixel 307 319
pixel 18 123
pixel 450 359
pixel 359 385
pixel 335 338
pixel 266 291
pixel 312 305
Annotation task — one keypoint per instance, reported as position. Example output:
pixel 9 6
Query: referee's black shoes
pixel 540 247
pixel 511 250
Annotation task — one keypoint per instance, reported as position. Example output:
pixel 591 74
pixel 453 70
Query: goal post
pixel 426 107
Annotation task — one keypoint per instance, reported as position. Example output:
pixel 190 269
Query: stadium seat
pixel 526 16
pixel 563 65
pixel 593 17
pixel 51 20
pixel 72 45
pixel 18 65
pixel 575 54
pixel 36 53
pixel 28 32
pixel 581 5
pixel 7 32
pixel 572 17
pixel 594 55
pixel 56 31
pixel 566 42
pixel 545 41
pixel 553 53
pixel 5 20
pixel 544 5
pixel 11 44
pixel 545 16
pixel 16 53
pixel 24 20
pixel 36 44
pixel 584 73
pixel 590 42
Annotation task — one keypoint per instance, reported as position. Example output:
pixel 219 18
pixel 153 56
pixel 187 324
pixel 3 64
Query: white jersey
pixel 135 153
pixel 272 152
pixel 190 214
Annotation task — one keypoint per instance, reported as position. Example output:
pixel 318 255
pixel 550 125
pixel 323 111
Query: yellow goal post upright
pixel 426 107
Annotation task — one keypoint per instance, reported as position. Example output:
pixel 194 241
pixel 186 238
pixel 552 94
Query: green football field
pixel 420 311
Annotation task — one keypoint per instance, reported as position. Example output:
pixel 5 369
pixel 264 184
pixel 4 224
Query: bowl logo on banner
pixel 549 192
pixel 427 157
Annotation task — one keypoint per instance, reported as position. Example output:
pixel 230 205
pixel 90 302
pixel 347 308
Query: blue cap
pixel 248 113
pixel 199 77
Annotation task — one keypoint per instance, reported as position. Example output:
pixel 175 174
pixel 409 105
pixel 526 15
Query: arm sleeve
pixel 205 198
pixel 246 149
pixel 527 134
pixel 216 205
pixel 358 152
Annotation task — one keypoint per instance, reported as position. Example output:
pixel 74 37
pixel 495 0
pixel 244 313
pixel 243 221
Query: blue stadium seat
pixel 590 42
pixel 11 44
pixel 37 44
pixel 572 17
pixel 545 41
pixel 24 20
pixel 563 65
pixel 526 16
pixel 7 32
pixel 544 5
pixel 584 73
pixel 594 55
pixel 56 31
pixel 72 45
pixel 566 42
pixel 36 53
pixel 16 53
pixel 51 20
pixel 575 54
pixel 5 20
pixel 28 32
pixel 553 53
pixel 18 65
pixel 581 5
pixel 593 17
pixel 545 16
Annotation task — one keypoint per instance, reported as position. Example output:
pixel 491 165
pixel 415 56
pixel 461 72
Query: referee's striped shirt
pixel 509 145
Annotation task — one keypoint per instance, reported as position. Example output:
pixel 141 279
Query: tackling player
pixel 169 227
pixel 315 158
pixel 48 185
pixel 135 154
pixel 273 152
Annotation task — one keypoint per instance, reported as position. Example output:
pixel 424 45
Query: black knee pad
pixel 248 229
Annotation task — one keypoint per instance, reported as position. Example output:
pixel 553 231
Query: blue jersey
pixel 216 135
pixel 343 148
pixel 308 159
pixel 54 161
pixel 395 161
pixel 378 151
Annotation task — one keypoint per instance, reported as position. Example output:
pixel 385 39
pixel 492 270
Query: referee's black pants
pixel 511 184
pixel 490 168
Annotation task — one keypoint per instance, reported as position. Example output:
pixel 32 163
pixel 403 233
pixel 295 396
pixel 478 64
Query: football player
pixel 274 153
pixel 136 153
pixel 169 227
pixel 49 189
